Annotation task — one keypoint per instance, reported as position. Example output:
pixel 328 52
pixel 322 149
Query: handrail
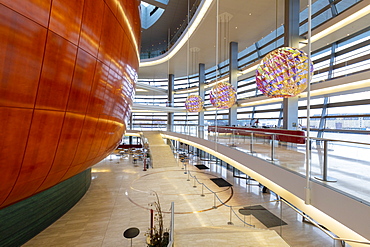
pixel 327 232
pixel 322 228
pixel 284 134
pixel 287 203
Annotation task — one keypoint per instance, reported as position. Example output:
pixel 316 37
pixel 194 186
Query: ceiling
pixel 250 20
pixel 170 21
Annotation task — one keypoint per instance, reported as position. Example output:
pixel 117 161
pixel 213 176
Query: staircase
pixel 161 153
pixel 230 236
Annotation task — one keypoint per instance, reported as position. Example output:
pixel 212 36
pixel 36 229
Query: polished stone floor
pixel 121 194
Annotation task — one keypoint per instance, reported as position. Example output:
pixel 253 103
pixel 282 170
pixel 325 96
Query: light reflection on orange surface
pixel 62 114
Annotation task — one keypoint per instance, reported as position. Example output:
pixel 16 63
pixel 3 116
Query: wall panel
pixel 57 72
pixel 61 71
pixel 37 10
pixel 21 54
pixel 65 19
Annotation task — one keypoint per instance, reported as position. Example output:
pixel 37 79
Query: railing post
pixel 214 201
pixel 202 190
pixel 251 143
pixel 194 184
pixel 325 168
pixel 172 232
pixel 231 212
pixel 188 177
pixel 272 147
pixel 324 176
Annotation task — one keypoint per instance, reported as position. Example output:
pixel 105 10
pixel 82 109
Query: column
pixel 171 80
pixel 291 39
pixel 202 78
pixel 233 80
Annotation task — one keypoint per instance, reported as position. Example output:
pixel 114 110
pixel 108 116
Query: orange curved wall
pixel 68 70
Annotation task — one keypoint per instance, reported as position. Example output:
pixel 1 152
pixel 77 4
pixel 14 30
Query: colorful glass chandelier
pixel 283 73
pixel 194 103
pixel 223 95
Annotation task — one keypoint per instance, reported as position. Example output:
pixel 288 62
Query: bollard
pixel 231 211
pixel 214 201
pixel 202 190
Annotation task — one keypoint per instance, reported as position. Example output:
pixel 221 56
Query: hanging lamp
pixel 283 73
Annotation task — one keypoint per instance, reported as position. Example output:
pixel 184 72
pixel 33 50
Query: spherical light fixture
pixel 283 73
pixel 223 95
pixel 194 103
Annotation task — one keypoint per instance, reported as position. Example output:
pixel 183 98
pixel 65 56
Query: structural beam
pixel 291 39
pixel 171 81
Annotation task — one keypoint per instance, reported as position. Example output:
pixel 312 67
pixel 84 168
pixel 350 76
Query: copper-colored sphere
pixel 68 71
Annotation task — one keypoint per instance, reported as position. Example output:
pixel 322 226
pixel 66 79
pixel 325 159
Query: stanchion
pixel 251 143
pixel 194 185
pixel 144 164
pixel 214 201
pixel 231 212
pixel 202 190
pixel 272 148
pixel 325 176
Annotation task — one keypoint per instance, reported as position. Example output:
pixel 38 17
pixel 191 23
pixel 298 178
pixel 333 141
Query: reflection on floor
pixel 120 195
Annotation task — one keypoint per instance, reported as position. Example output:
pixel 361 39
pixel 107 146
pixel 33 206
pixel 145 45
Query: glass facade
pixel 346 113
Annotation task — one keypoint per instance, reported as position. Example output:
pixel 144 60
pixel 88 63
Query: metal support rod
pixel 308 140
pixel 188 177
pixel 202 190
pixel 272 147
pixel 214 201
pixel 325 176
pixel 194 185
pixel 325 165
pixel 251 143
pixel 281 218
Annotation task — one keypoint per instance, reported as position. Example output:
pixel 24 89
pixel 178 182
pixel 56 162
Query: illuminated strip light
pixel 339 88
pixel 317 92
pixel 130 28
pixel 189 31
pixel 346 21
pixel 262 102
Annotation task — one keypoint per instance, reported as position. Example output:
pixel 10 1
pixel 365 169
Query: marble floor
pixel 121 195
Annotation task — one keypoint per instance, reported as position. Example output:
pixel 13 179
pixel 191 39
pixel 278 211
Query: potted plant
pixel 157 236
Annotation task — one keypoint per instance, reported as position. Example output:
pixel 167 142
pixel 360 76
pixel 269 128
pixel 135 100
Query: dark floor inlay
pixel 221 182
pixel 263 215
pixel 201 167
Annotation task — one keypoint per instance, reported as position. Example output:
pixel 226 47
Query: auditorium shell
pixel 68 70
